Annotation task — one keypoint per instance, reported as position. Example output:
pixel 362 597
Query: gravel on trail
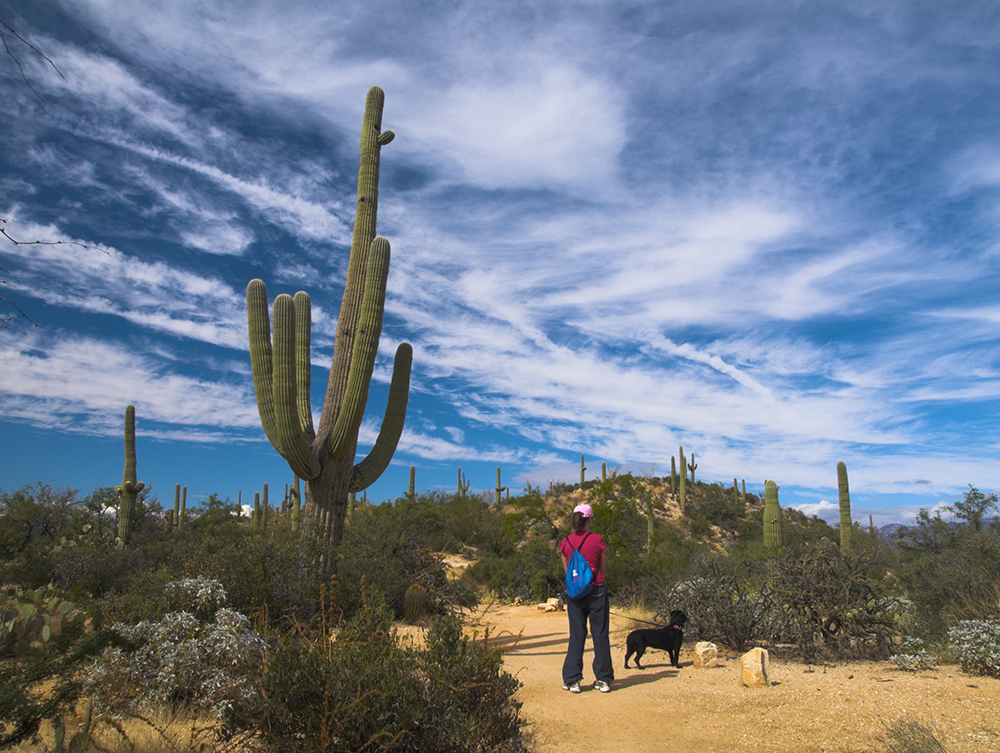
pixel 828 708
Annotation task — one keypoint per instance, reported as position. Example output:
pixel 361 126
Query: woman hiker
pixel 593 607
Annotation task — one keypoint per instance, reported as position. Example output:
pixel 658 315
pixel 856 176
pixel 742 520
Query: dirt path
pixel 660 708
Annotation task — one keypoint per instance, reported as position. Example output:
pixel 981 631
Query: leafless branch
pixel 5 234
pixel 18 62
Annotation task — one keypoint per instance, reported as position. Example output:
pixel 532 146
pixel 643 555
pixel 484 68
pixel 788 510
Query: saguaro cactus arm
pixel 275 378
pixel 303 362
pixel 352 410
pixel 368 470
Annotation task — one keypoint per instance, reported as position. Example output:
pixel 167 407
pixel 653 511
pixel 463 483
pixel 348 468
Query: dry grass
pixel 157 733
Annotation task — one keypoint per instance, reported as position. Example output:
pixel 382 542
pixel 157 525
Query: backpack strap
pixel 578 548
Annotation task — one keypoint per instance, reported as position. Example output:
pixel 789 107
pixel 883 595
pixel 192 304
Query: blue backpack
pixel 579 574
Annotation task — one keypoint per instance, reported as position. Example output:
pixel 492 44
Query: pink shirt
pixel 591 550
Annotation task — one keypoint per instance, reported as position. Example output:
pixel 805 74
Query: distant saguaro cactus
pixel 673 475
pixel 772 516
pixel 692 466
pixel 844 491
pixel 604 471
pixel 281 371
pixel 184 503
pixel 130 486
pixel 583 469
pixel 296 493
pixel 177 507
pixel 412 491
pixel 499 489
pixel 681 494
pixel 463 485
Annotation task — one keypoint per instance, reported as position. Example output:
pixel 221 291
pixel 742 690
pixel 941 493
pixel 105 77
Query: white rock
pixel 705 655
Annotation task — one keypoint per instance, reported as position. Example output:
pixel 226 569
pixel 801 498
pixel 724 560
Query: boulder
pixel 753 669
pixel 552 605
pixel 705 655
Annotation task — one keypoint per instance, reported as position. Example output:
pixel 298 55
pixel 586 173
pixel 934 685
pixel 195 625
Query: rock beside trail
pixel 552 605
pixel 705 655
pixel 753 669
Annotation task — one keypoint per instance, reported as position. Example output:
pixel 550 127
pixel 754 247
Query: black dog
pixel 667 639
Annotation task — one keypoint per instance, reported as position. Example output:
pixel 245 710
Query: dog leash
pixel 636 619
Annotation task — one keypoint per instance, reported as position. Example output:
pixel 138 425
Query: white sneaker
pixel 572 687
pixel 602 686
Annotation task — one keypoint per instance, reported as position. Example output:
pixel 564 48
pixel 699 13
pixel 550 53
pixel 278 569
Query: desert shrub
pixel 912 655
pixel 365 690
pixel 195 662
pixel 977 645
pixel 532 572
pixel 713 505
pixel 908 736
pixel 390 547
pixel 833 604
pixel 726 601
pixel 951 569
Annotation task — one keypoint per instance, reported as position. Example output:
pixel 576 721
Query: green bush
pixel 726 599
pixel 365 690
pixel 390 546
pixel 531 573
pixel 951 570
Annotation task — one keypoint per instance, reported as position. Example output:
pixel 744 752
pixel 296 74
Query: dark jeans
pixel 594 607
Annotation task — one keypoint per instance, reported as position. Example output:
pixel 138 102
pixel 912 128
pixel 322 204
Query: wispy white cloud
pixel 82 385
pixel 85 276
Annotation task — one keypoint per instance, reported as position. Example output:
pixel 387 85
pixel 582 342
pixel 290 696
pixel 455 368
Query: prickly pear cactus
pixel 415 603
pixel 29 619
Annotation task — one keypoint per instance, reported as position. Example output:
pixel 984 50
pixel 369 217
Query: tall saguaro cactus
pixel 130 486
pixel 324 457
pixel 499 489
pixel 412 491
pixel 583 470
pixel 772 516
pixel 845 508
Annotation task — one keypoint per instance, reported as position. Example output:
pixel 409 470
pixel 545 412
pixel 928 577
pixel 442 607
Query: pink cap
pixel 585 510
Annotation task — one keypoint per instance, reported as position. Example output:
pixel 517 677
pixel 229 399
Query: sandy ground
pixel 826 708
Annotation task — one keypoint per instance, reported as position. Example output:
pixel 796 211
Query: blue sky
pixel 769 232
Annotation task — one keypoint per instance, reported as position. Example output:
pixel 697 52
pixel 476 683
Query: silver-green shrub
pixel 977 645
pixel 203 663
pixel 913 656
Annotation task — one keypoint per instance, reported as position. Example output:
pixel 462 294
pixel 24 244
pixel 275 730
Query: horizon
pixel 766 232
